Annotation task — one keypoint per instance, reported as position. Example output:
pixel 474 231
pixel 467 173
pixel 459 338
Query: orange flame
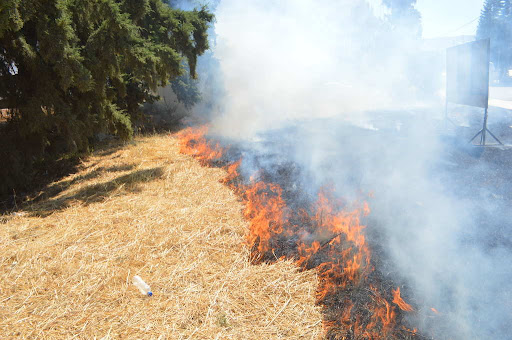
pixel 193 142
pixel 383 317
pixel 264 208
pixel 330 238
pixel 397 299
pixel 342 226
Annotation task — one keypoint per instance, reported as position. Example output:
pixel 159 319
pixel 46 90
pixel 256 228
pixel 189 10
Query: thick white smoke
pixel 350 84
pixel 296 59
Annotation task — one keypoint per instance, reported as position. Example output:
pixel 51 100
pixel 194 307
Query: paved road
pixel 500 97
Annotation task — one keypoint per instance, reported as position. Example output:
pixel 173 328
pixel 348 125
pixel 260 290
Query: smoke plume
pixel 354 101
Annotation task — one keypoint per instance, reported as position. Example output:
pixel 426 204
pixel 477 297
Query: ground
pixel 67 259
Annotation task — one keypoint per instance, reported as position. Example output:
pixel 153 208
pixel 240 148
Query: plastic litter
pixel 143 286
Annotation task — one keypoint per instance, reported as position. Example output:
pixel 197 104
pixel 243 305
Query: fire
pixel 384 314
pixel 327 235
pixel 397 299
pixel 232 171
pixel 265 209
pixel 193 142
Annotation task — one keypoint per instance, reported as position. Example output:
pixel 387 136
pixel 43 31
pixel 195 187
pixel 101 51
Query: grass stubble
pixel 67 260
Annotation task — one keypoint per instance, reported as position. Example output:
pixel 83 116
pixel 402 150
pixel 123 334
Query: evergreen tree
pixel 404 16
pixel 72 68
pixel 495 23
pixel 487 16
pixel 187 89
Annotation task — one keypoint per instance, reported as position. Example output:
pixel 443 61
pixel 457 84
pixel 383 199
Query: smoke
pixel 338 89
pixel 405 16
pixel 291 60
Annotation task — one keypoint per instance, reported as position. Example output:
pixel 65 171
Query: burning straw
pixel 327 236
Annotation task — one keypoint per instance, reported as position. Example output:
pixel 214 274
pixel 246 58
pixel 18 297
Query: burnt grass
pixel 468 171
pixel 357 297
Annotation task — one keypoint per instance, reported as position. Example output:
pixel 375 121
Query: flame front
pixel 397 299
pixel 327 236
pixel 265 209
pixel 193 142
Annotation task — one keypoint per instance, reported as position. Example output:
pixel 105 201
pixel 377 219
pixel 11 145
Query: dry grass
pixel 67 261
pixel 4 114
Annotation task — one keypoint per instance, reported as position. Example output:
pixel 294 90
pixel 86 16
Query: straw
pixel 67 260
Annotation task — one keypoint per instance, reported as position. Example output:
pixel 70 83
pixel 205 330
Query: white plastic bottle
pixel 143 286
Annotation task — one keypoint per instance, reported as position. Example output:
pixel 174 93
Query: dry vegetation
pixel 4 113
pixel 67 261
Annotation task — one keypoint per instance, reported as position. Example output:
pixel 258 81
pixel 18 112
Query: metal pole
pixel 493 136
pixel 484 129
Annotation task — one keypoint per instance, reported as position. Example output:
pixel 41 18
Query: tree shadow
pixel 97 192
pixel 105 152
pixel 41 184
pixel 56 188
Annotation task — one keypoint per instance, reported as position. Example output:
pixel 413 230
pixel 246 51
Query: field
pixel 67 259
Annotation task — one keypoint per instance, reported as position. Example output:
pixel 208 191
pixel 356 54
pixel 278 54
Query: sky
pixel 445 18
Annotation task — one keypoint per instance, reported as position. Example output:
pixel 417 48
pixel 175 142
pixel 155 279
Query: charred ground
pixel 362 303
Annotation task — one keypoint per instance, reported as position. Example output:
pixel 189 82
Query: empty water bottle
pixel 143 286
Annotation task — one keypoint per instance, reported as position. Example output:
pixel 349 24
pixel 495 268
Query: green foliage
pixel 70 69
pixel 404 16
pixel 186 90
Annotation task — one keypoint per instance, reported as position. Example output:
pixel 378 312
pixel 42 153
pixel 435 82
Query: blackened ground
pixel 397 157
pixel 273 164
